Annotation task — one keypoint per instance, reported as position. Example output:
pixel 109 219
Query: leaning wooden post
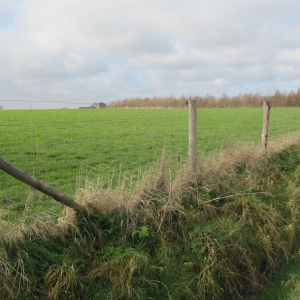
pixel 266 112
pixel 39 185
pixel 193 135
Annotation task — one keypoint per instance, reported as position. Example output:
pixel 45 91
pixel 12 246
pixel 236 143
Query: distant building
pixel 101 105
pixel 95 105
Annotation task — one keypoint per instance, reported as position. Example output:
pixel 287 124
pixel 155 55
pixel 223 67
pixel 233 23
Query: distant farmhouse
pixel 95 105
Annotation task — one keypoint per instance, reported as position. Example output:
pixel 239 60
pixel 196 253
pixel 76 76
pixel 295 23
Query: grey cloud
pixel 127 48
pixel 288 72
pixel 152 43
pixel 290 56
pixel 180 58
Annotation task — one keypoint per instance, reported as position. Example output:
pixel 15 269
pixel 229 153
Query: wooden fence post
pixel 193 135
pixel 39 185
pixel 266 117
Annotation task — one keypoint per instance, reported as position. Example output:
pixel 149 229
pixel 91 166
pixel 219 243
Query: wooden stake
pixel 193 135
pixel 266 117
pixel 39 185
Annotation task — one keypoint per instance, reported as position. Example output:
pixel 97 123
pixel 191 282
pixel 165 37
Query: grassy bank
pixel 222 234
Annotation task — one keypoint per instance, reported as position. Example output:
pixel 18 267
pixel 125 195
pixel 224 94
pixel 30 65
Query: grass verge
pixel 222 234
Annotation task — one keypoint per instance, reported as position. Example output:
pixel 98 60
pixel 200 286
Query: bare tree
pixel 1 107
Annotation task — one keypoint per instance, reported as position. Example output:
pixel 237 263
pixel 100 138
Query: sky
pixel 71 53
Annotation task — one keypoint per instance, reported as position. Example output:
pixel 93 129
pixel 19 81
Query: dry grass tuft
pixel 294 283
pixel 245 155
pixel 230 160
pixel 293 204
pixel 225 259
pixel 62 283
pixel 126 274
pixel 283 143
pixel 106 199
pixel 13 278
pixel 266 224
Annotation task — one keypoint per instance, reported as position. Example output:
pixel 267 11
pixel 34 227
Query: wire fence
pixel 56 152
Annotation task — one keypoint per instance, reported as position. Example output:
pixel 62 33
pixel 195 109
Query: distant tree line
pixel 209 101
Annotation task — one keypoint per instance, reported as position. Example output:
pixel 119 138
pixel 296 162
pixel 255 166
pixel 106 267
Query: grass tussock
pixel 294 283
pixel 127 274
pixel 62 283
pixel 221 234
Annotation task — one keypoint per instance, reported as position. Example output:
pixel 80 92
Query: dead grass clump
pixel 13 279
pixel 267 226
pixel 224 257
pixel 6 276
pixel 292 206
pixel 231 160
pixel 283 143
pixel 107 200
pixel 244 157
pixel 62 282
pixel 126 274
pixel 154 184
pixel 10 234
pixel 294 283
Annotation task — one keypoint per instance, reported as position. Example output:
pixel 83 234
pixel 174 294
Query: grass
pixel 285 285
pixel 223 233
pixel 57 145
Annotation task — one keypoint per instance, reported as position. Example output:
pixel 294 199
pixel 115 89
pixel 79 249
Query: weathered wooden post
pixel 193 135
pixel 39 185
pixel 266 117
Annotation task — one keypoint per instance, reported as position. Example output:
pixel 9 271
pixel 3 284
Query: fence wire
pixel 55 152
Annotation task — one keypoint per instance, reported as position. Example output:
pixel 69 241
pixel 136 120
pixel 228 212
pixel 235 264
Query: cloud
pixel 290 56
pixel 83 50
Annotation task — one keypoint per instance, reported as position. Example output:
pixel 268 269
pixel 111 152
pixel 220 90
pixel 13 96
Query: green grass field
pixel 57 145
